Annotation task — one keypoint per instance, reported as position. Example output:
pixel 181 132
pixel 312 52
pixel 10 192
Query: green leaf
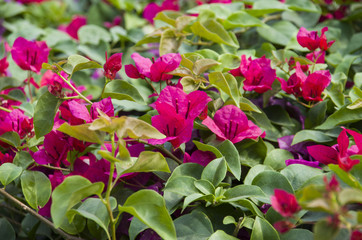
pixel 193 170
pixel 11 138
pixel 77 62
pixel 204 186
pixel 263 230
pixel 228 61
pixel 15 94
pixel 251 153
pixel 247 105
pixel 206 147
pixel 70 192
pixel 149 207
pixel 94 209
pixel 215 171
pixel 221 235
pixel 323 230
pixel 93 34
pixel 231 155
pixel 316 115
pixel 168 17
pixel 9 172
pixel 6 230
pixel 270 180
pixel 345 64
pixel 226 83
pixel 183 185
pixel 280 32
pixel 311 135
pixel 276 158
pixel 241 19
pixel 169 42
pixel 245 203
pixel 297 234
pixel 82 132
pixel 122 90
pixel 11 9
pixel 342 117
pixel 44 113
pixel 278 115
pixel 36 188
pixel 302 5
pixel 146 162
pixel 201 65
pixel 212 30
pixel 23 159
pixel 350 195
pixel 263 7
pixel 335 92
pixel 242 192
pixel 138 129
pixel 298 174
pixel 193 226
pixel 345 176
pixel 254 171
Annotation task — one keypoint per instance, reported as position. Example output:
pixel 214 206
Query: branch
pixel 35 214
pixel 164 151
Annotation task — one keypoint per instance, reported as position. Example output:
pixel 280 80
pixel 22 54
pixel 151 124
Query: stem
pixel 104 87
pixel 108 192
pixel 5 109
pixel 271 17
pixel 164 151
pixel 74 89
pixel 37 215
pixel 29 87
pixel 151 86
pixel 55 168
pixel 238 225
pixel 72 97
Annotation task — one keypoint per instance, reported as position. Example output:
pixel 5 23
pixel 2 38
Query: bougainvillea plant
pixel 181 119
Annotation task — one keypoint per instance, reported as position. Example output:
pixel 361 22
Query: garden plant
pixel 179 119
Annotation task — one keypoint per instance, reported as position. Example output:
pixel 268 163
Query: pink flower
pixel 18 122
pixel 116 22
pixel 30 1
pixel 330 155
pixel 176 128
pixel 283 226
pixel 187 105
pixel 293 85
pixel 4 64
pixel 332 185
pixel 154 70
pixel 113 65
pixel 30 55
pixel 200 157
pixel 284 203
pixel 314 85
pixel 316 56
pixel 356 235
pixel 73 27
pixel 231 123
pixel 312 41
pixel 152 9
pixel 259 76
pixel 303 162
pixel 51 78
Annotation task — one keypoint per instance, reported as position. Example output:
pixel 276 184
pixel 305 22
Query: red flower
pixel 30 55
pixel 356 235
pixel 284 203
pixel 73 27
pixel 4 64
pixel 113 65
pixel 283 226
pixel 152 9
pixel 259 76
pixel 314 85
pixel 312 41
pixel 332 185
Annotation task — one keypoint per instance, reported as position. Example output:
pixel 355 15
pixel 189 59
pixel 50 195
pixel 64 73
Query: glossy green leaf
pixel 11 9
pixel 302 5
pixel 82 132
pixel 138 129
pixel 342 117
pixel 193 170
pixel 146 162
pixel 169 42
pixel 6 230
pixel 227 83
pixel 270 180
pixel 335 92
pixel 276 158
pixel 316 115
pixel 77 62
pixel 251 153
pixel 201 65
pixel 206 147
pixel 193 226
pixel 215 171
pixel 263 230
pixel 94 209
pixel 93 34
pixel 11 138
pixel 311 135
pixel 246 203
pixel 183 185
pixel 9 172
pixel 168 17
pixel 44 113
pixel 196 197
pixel 122 90
pixel 36 188
pixel 297 234
pixel 212 30
pixel 298 174
pixel 241 19
pixel 221 235
pixel 247 105
pixel 70 192
pixel 149 207
pixel 243 191
pixel 280 32
pixel 15 94
pixel 231 155
pixel 350 195
pixel 324 231
pixel 254 171
pixel 23 159
pixel 263 7
pixel 278 115
pixel 204 186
